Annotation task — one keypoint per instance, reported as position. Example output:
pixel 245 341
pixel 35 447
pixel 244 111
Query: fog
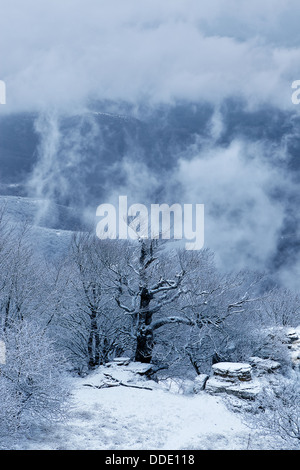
pixel 235 59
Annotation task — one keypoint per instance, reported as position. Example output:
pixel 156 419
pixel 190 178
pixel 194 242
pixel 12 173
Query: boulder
pixel 246 390
pixel 264 366
pixel 233 378
pixel 294 347
pixel 292 335
pixel 140 368
pixel 233 371
pixel 121 361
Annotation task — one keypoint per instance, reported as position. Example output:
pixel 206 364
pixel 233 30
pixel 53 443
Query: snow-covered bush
pixel 32 384
pixel 277 410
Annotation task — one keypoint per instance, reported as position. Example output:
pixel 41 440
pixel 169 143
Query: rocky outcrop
pixel 293 337
pixel 120 361
pixel 233 378
pixel 261 367
pixel 232 371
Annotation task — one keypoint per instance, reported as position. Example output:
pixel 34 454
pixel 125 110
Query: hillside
pixel 125 418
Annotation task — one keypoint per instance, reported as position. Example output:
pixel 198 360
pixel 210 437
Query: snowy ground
pixel 125 418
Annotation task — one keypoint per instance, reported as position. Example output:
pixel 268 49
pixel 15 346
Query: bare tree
pixel 282 307
pixel 21 274
pixel 223 309
pixel 93 327
pixel 148 284
pixel 157 286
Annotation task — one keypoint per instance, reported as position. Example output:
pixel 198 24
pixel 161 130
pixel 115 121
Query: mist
pixel 164 102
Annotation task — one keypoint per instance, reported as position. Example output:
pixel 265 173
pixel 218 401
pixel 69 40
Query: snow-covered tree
pixel 222 309
pixel 149 280
pixel 32 383
pixel 21 274
pixel 281 307
pixel 92 327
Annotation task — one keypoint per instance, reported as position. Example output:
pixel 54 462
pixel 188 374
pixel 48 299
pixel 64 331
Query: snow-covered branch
pixel 168 320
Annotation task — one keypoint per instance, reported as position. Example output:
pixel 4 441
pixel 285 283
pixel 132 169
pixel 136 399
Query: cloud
pixel 236 184
pixel 60 53
pixel 56 56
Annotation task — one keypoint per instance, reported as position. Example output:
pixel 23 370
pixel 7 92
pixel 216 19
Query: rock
pixel 264 366
pixel 122 361
pixel 233 378
pixel 140 368
pixel 292 335
pixel 232 371
pixel 295 353
pixel 199 383
pixel 246 390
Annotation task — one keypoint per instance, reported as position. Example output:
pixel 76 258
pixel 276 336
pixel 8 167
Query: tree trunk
pixel 93 343
pixel 144 345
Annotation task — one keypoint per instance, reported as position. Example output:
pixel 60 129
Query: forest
pixel 148 300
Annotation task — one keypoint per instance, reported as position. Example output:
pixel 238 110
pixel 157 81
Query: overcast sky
pixel 60 52
pixel 56 54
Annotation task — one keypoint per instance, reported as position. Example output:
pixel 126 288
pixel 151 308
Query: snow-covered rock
pixel 233 378
pixel 247 390
pixel 293 338
pixel 140 368
pixel 264 366
pixel 122 361
pixel 292 335
pixel 232 371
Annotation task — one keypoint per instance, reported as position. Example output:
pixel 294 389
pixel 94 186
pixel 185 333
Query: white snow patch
pixel 125 418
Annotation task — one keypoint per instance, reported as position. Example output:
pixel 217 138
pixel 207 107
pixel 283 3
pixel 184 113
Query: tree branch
pixel 168 320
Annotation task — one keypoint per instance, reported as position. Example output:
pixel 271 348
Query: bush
pixel 277 410
pixel 32 384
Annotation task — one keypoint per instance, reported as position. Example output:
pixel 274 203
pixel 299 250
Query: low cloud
pixel 242 218
pixel 61 53
pixel 58 56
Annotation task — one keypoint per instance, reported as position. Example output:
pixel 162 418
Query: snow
pixel 125 418
pixel 142 419
pixel 234 367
